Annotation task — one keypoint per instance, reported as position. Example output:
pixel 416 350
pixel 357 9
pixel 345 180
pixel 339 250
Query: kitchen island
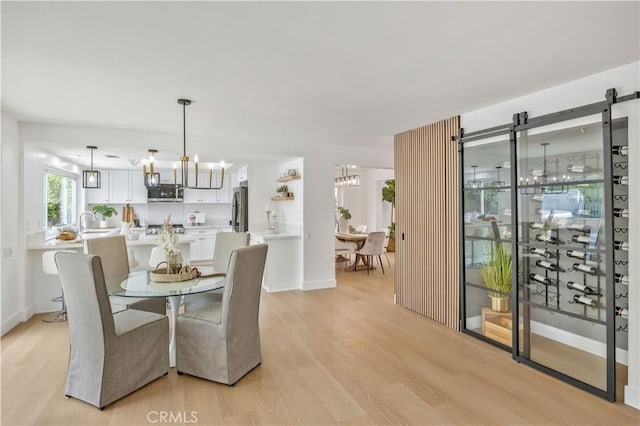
pixel 46 287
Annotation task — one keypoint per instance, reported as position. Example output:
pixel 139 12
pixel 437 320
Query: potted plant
pixel 497 276
pixel 104 211
pixel 282 190
pixel 343 221
pixel 389 195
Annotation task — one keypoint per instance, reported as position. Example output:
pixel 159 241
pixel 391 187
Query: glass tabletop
pixel 139 284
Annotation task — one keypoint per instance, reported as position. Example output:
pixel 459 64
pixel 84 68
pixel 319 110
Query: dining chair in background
pixel 373 246
pixel 221 341
pixel 111 354
pixel 226 242
pixel 345 249
pixel 115 262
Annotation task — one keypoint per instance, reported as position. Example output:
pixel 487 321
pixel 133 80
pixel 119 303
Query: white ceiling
pixel 332 73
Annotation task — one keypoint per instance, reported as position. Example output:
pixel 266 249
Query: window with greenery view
pixel 60 202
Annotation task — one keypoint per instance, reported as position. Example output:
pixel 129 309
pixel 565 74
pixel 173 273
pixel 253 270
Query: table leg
pixel 174 302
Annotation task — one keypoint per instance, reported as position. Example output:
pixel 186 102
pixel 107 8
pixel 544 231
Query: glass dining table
pixel 140 284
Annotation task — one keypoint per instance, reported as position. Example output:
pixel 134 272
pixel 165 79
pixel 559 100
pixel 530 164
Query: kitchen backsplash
pixel 155 213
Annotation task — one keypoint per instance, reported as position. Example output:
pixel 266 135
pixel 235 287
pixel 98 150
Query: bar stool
pixel 49 268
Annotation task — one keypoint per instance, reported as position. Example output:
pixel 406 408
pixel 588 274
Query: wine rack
pixel 569 188
pixel 621 213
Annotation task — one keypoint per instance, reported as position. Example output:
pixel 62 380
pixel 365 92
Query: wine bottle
pixel 582 239
pixel 622 312
pixel 585 268
pixel 579 228
pixel 621 245
pixel 536 225
pixel 545 239
pixel 622 150
pixel 621 180
pixel 621 212
pixel 541 279
pixel 547 265
pixel 581 288
pixel 622 279
pixel 579 168
pixel 576 254
pixel 584 300
pixel 541 252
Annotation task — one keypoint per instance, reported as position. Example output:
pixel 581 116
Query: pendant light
pixel 474 183
pixel 153 178
pixel 91 178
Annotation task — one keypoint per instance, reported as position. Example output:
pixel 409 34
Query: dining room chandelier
pixel 347 180
pixel 542 182
pixel 152 177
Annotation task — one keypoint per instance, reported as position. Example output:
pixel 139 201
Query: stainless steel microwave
pixel 165 193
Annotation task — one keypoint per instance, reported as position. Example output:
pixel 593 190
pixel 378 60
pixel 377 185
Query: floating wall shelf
pixel 282 198
pixel 288 178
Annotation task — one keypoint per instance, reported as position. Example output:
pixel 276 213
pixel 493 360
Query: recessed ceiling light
pixel 111 156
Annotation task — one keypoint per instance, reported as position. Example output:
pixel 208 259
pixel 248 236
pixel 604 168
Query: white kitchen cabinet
pixel 203 245
pixel 99 195
pixel 127 186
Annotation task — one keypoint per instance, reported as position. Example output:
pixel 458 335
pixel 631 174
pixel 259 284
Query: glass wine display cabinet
pixel 544 241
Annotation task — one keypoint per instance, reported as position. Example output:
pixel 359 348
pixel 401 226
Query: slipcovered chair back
pixel 112 252
pixel 226 242
pixel 241 297
pixel 115 263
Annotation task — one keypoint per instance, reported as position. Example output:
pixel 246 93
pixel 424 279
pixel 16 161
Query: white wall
pixel 625 79
pixel 365 201
pixel 14 305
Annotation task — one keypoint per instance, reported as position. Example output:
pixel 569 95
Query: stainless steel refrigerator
pixel 240 208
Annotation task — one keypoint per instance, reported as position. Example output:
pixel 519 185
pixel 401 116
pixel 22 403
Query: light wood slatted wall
pixel 427 213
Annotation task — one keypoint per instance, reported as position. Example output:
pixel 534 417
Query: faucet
pixel 93 216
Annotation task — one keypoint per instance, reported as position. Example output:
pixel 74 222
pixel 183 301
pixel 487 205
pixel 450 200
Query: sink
pixel 98 232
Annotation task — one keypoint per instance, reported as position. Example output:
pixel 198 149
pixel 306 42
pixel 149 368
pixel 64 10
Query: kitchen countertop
pixel 145 240
pixel 278 236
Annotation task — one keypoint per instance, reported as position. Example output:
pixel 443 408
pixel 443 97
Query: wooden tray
pixel 161 275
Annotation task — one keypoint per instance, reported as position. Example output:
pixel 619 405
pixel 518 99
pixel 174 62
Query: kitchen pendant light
pixel 91 178
pixel 153 178
pixel 474 183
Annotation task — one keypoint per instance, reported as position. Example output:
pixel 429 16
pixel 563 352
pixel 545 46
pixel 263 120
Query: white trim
pixel 318 285
pixel 632 396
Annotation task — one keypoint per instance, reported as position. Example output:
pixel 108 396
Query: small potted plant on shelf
pixel 343 220
pixel 105 211
pixel 283 191
pixel 497 276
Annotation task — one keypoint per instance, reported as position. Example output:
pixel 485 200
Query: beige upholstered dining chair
pixel 373 246
pixel 226 242
pixel 221 341
pixel 111 354
pixel 345 249
pixel 113 254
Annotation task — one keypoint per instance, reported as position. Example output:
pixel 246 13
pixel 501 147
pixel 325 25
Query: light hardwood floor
pixel 338 356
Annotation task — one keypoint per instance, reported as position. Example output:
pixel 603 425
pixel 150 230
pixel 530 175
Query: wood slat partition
pixel 427 214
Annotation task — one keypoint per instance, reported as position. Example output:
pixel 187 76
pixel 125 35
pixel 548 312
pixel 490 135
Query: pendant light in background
pixel 91 178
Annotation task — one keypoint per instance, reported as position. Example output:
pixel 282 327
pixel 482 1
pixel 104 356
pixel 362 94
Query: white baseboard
pixel 17 318
pixel 11 322
pixel 318 285
pixel 632 396
pixel 586 344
